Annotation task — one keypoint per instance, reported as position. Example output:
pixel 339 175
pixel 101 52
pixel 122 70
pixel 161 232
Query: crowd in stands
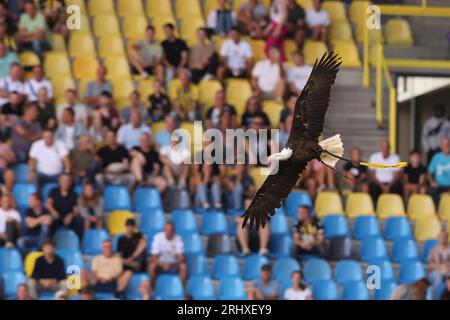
pixel 91 144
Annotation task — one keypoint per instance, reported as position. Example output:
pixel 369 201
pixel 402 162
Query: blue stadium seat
pixel 235 212
pixel 146 198
pixel 184 220
pixel 152 220
pixel 132 290
pixel 21 172
pixel 92 241
pixel 366 226
pixel 11 280
pixel 373 248
pixel 201 288
pixel 78 189
pixel 348 270
pixel 280 245
pixel 169 287
pixel 225 265
pixel 66 239
pixel 355 290
pixel 117 198
pixel 232 288
pixel 46 190
pixel 282 270
pixel 387 287
pixel 294 200
pixel 116 238
pixel 252 266
pixel 192 243
pixel 386 270
pixel 316 269
pixel 22 192
pixel 335 226
pixel 397 227
pixel 325 290
pixel 279 224
pixel 71 257
pixel 213 222
pixel 411 270
pixel 427 246
pixel 404 248
pixel 10 260
pixel 197 264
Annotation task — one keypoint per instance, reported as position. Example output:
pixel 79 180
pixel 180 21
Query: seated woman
pixel 298 291
pixel 91 207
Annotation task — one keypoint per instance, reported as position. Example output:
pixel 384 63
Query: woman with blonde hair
pixel 91 207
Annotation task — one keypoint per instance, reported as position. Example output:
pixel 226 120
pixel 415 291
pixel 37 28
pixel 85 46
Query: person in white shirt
pixel 12 83
pixel 130 133
pixel 298 75
pixel 236 56
pixel 47 159
pixel 69 131
pixel 298 291
pixel 10 222
pixel 318 22
pixel 222 19
pixel 268 77
pixel 37 82
pixel 176 159
pixel 82 112
pixel 167 253
pixel 384 180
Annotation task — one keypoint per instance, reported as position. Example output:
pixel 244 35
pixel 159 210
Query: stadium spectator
pixel 48 159
pixel 71 102
pixel 285 130
pixel 7 159
pixel 297 75
pixel 55 14
pixel 240 186
pixel 414 291
pixel 96 87
pixel 265 288
pixel 47 111
pixel 90 204
pixel 38 221
pixel 357 174
pixel 159 102
pixel 318 21
pixel 108 274
pixel 203 60
pixel 176 52
pixel 308 234
pixel 146 56
pixel 130 133
pixel 82 160
pixel 446 294
pixel 49 273
pixel 115 163
pixel 7 18
pixel 22 292
pixel 243 234
pixel 25 131
pixel 296 25
pixel 10 222
pixel 439 262
pixel 439 169
pixel 435 128
pixel 87 293
pixel 105 115
pixel 221 19
pixel 7 39
pixel 252 18
pixel 69 131
pixel 61 295
pixel 212 116
pixel 62 202
pixel 14 106
pixel 384 180
pixel 186 105
pixel 131 246
pixel 7 58
pixel 145 290
pixel 135 105
pixel 298 291
pixel 415 176
pixel 277 29
pixel 167 254
pixel 288 109
pixel 38 81
pixel 236 57
pixel 176 158
pixel 33 30
pixel 268 77
pixel 253 112
pixel 12 83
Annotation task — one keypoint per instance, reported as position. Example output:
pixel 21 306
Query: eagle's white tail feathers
pixel 333 145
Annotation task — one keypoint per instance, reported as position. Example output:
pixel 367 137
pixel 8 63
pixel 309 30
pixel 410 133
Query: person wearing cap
pixel 265 288
pixel 131 247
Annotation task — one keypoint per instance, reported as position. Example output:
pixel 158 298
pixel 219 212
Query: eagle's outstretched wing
pixel 308 122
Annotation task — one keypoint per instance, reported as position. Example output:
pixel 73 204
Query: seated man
pixel 69 131
pixel 37 82
pixel 308 234
pixel 33 30
pixel 10 222
pixel 298 74
pixel 82 160
pixel 71 102
pixel 265 288
pixel 49 272
pixel 358 181
pixel 318 21
pixel 186 104
pixel 159 102
pixel 213 114
pixel 439 262
pixel 167 254
pixel 12 83
pixel 7 56
pixel 135 105
pixel 439 169
pixel 415 176
pixel 129 134
pixel 176 158
pixel 202 58
pixel 95 88
pixel 176 52
pixel 131 247
pixel 251 16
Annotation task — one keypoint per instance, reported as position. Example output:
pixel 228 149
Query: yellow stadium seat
pixel 258 49
pixel 421 205
pixel 289 47
pixel 444 207
pixel 388 205
pixel 358 11
pixel 398 31
pixel 218 41
pixel 427 228
pixel 335 9
pixel 237 94
pixel 305 4
pixel 158 8
pixel 29 59
pixel 58 42
pixel 123 86
pixel 85 68
pixel 116 221
pixel 146 88
pixel 61 84
pixel 158 127
pixel 81 44
pixel 313 50
pixel 189 26
pixel 349 53
pixel 158 23
pixel 340 31
pixel 273 110
pixel 359 204
pixel 98 7
pixel 82 87
pixel 129 7
pixel 207 92
pixel 110 46
pixel 375 35
pixel 188 8
pixel 117 66
pixel 85 26
pixel 208 6
pixel 106 24
pixel 56 63
pixel 328 202
pixel 79 3
pixel 174 86
pixel 30 261
pixel 237 4
pixel 259 175
pixel 134 26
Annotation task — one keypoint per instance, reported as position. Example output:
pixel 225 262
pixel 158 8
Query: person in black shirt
pixel 131 247
pixel 357 174
pixel 159 102
pixel 252 111
pixel 308 233
pixel 176 52
pixel 47 111
pixel 213 114
pixel 14 105
pixel 296 24
pixel 49 272
pixel 415 175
